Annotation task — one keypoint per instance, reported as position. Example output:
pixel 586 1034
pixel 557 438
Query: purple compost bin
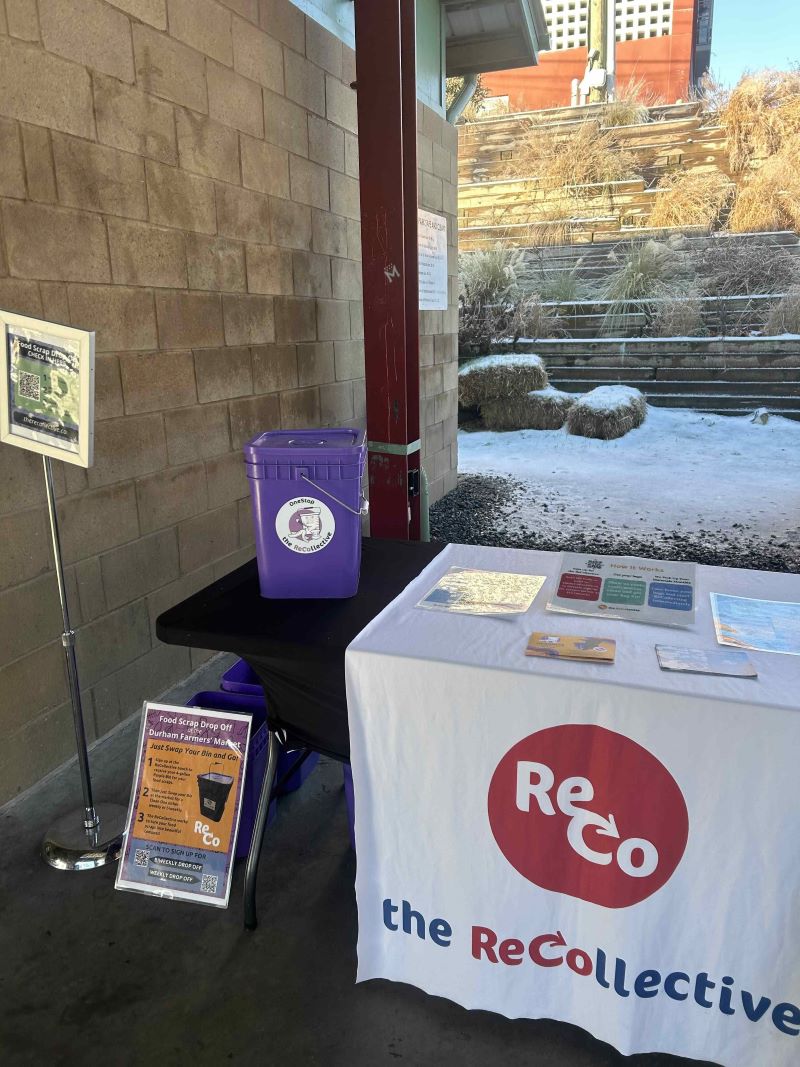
pixel 305 487
pixel 241 678
pixel 252 702
pixel 349 799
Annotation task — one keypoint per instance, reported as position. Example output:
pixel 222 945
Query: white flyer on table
pixel 626 587
pixel 470 591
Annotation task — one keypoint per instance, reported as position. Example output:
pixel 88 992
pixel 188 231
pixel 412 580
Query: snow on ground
pixel 679 471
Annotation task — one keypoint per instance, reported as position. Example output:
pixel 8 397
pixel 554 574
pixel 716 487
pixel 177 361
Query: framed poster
pixel 47 388
pixel 186 804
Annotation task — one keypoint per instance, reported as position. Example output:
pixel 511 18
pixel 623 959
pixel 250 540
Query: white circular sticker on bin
pixel 305 524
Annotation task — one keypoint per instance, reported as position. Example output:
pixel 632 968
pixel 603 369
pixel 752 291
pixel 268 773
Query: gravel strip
pixel 480 511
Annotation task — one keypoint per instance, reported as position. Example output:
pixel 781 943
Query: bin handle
pixel 363 510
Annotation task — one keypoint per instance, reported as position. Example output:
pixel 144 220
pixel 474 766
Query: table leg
pixel 253 856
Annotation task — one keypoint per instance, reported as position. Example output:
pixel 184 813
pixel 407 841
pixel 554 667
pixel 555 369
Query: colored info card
pixel 626 587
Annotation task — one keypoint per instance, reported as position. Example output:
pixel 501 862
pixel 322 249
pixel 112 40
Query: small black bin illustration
pixel 214 789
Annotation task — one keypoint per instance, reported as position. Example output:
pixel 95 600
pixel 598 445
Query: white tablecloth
pixel 559 913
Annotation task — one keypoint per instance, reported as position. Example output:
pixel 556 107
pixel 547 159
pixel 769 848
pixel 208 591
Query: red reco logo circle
pixel 587 812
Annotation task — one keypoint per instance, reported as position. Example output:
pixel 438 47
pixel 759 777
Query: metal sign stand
pixel 92 837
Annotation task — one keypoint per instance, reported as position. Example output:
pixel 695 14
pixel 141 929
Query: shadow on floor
pixel 90 976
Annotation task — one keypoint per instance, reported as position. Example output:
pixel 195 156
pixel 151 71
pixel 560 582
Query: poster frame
pixel 85 340
pixel 122 880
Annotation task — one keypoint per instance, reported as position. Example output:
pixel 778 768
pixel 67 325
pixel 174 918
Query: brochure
pixel 469 591
pixel 706 661
pixel 761 625
pixel 183 818
pixel 567 646
pixel 626 587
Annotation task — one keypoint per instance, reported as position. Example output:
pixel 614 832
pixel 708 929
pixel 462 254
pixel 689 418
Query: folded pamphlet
pixel 568 646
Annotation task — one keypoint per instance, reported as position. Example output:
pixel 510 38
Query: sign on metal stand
pixel 47 406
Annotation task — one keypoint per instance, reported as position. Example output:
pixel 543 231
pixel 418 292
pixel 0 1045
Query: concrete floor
pixel 90 976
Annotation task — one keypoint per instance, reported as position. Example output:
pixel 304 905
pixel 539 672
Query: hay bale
pixel 607 412
pixel 541 409
pixel 499 377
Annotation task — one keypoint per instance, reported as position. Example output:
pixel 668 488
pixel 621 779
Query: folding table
pixel 296 647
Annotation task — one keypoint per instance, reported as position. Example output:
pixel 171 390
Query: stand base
pixel 70 847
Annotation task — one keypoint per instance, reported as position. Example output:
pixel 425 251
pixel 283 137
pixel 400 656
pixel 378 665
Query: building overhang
pixel 489 35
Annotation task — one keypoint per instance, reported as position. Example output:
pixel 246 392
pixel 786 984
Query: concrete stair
pixel 727 376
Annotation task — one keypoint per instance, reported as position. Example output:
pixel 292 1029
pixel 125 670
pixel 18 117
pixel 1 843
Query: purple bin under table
pixel 256 757
pixel 240 679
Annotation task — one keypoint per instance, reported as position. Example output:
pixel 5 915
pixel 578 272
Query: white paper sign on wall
pixel 432 242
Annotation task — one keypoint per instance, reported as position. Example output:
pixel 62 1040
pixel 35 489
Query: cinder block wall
pixel 180 176
pixel 437 157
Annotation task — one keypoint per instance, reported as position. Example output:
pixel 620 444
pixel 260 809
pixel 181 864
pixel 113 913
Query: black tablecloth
pixel 297 646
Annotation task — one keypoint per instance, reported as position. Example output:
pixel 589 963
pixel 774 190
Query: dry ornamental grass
pixel 499 377
pixel 690 199
pixel 647 271
pixel 741 266
pixel 584 155
pixel 761 114
pixel 678 317
pixel 490 275
pixel 533 320
pixel 784 316
pixel 606 413
pixel 769 197
pixel 632 104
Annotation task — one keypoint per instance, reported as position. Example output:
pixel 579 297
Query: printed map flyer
pixel 46 388
pixel 705 661
pixel 469 591
pixel 762 625
pixel 567 646
pixel 626 587
pixel 185 805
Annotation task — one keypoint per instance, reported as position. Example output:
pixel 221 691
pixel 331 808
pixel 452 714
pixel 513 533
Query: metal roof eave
pixel 512 46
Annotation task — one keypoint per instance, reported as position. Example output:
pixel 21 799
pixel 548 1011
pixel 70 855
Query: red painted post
pixel 385 66
pixel 408 50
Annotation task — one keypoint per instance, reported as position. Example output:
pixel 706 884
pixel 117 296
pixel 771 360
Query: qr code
pixel 140 857
pixel 209 883
pixel 30 386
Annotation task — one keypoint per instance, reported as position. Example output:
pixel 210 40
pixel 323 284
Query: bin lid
pixel 337 442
